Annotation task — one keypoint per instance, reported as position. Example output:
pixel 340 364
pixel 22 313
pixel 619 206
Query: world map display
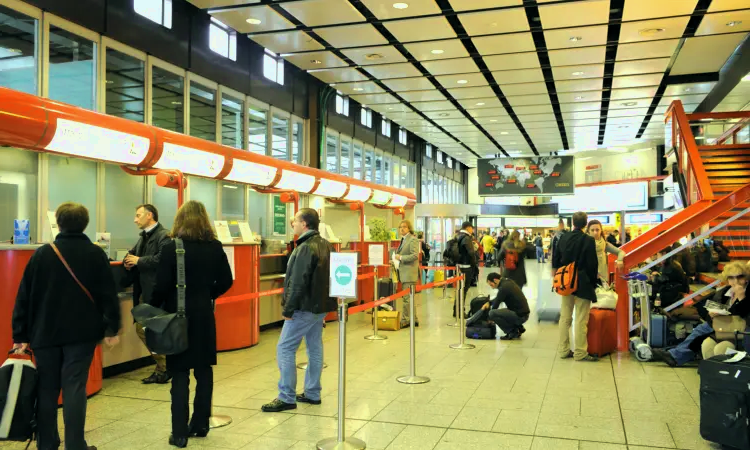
pixel 536 175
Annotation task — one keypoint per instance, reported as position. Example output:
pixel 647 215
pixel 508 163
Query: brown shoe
pixel 568 355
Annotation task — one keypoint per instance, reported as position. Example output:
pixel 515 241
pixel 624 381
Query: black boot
pixel 179 442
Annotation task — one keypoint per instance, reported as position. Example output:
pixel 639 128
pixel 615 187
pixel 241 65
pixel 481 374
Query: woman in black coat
pixel 514 245
pixel 208 276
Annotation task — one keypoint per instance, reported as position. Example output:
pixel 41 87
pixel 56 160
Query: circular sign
pixel 343 275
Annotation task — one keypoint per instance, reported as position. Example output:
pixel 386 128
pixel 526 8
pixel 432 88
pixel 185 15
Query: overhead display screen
pixel 535 175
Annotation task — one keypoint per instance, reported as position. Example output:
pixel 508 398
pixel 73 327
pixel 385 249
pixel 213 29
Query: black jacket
pixel 466 248
pixel 207 277
pixel 612 240
pixel 510 293
pixel 148 249
pixel 580 247
pixel 51 308
pixel 307 282
pixel 670 283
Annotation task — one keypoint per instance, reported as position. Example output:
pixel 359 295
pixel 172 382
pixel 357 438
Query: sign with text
pixel 279 216
pixel 21 231
pixel 343 275
pixel 534 175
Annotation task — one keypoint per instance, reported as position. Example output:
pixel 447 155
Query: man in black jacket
pixel 468 262
pixel 511 318
pixel 305 304
pixel 580 248
pixel 142 263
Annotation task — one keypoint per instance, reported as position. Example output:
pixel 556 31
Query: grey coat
pixel 408 271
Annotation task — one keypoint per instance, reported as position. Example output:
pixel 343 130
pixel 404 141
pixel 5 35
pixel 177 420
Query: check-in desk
pixel 237 316
pixel 272 275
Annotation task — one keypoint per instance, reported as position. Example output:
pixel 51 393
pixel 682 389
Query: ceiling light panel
pixel 583 96
pixel 575 37
pixel 730 22
pixel 691 88
pixel 385 71
pixel 422 96
pixel 581 106
pixel 579 72
pixel 504 77
pixel 706 53
pixel 512 62
pixel 623 94
pixel 451 66
pixel 434 106
pixel 463 5
pixel 495 22
pixel 471 92
pixel 533 109
pixel 525 100
pixel 643 50
pixel 630 103
pixel 443 49
pixel 344 75
pixel 315 60
pixel 409 84
pixel 269 19
pixel 370 99
pixel 629 112
pixel 574 14
pixel 646 30
pixel 472 80
pixel 367 56
pixel 581 115
pixel 287 42
pixel 726 5
pixel 648 9
pixel 364 87
pixel 351 36
pixel 655 65
pixel 632 81
pixel 506 43
pixel 482 104
pixel 524 89
pixel 577 56
pixel 573 86
pixel 383 9
pixel 314 13
pixel 425 29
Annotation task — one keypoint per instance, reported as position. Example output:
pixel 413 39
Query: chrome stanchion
pixel 462 345
pixel 412 378
pixel 218 421
pixel 375 336
pixel 341 441
pixel 455 323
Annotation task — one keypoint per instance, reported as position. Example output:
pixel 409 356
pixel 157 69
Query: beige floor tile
pixel 561 405
pixel 581 428
pixel 687 436
pixel 111 432
pixel 600 407
pixel 542 443
pixel 476 419
pixel 641 432
pixel 379 435
pixel 417 438
pixel 476 440
pixel 260 423
pixel 268 443
pixel 585 445
pixel 516 422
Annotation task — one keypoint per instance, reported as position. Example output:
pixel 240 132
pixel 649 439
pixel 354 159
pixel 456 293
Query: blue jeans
pixel 539 254
pixel 310 326
pixel 682 353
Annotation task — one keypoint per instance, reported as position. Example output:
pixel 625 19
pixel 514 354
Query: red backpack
pixel 511 259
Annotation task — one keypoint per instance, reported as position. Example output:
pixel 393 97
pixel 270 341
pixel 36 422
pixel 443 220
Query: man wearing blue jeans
pixel 683 354
pixel 306 303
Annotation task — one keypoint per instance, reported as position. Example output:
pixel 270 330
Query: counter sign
pixel 343 275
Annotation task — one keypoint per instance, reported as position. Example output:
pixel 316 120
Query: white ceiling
pixel 462 78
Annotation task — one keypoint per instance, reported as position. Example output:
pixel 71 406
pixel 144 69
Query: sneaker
pixel 588 358
pixel 302 399
pixel 157 378
pixel 664 355
pixel 568 355
pixel 277 406
pixel 510 337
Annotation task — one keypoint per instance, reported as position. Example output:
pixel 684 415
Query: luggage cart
pixel 639 292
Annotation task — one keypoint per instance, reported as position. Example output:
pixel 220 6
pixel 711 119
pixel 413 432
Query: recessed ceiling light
pixel 480 104
pixel 374 56
pixel 687 89
pixel 493 120
pixel 13 50
pixel 629 103
pixel 358 89
pixel 503 132
pixel 576 39
pixel 577 74
pixel 734 23
pixel 390 107
pixel 443 115
pixel 650 31
pixel 512 143
pixel 400 5
pixel 437 52
pixel 177 103
pixel 316 61
pixel 253 21
pixel 579 98
pixel 110 81
pixel 461 81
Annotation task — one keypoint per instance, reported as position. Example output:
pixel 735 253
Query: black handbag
pixel 166 333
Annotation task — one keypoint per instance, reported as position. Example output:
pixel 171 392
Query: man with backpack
pixel 516 312
pixel 460 251
pixel 576 266
pixel 539 244
pixel 556 238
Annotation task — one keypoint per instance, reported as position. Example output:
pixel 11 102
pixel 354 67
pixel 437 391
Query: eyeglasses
pixel 735 277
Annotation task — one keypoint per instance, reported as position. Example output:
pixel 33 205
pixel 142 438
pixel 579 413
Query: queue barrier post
pixel 341 441
pixel 375 336
pixel 462 345
pixel 412 378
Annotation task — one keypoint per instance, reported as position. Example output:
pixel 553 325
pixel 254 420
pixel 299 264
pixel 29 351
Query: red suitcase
pixel 602 332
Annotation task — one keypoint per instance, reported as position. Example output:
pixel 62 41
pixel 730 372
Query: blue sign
pixel 21 231
pixel 645 218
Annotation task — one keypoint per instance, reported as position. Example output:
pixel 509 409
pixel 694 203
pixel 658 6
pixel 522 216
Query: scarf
pixel 601 256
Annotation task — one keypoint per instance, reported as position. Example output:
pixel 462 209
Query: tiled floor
pixel 514 395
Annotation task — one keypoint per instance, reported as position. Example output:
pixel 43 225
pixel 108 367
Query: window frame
pixel 245 117
pixel 231 38
pixel 344 104
pixel 403 133
pixel 206 83
pixel 251 102
pixel 163 13
pixel 280 113
pixel 385 127
pixel 365 117
pixel 279 64
pixel 428 150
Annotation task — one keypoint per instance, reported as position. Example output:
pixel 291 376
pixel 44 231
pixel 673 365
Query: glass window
pixel 202 112
pixel 450 162
pixel 346 164
pixel 222 39
pixel 204 191
pixel 125 86
pixel 332 157
pixel 273 67
pixel 378 168
pixel 397 172
pixel 19 171
pixel 439 156
pixel 165 200
pixel 159 11
pixel 365 117
pixel 72 68
pixel 342 104
pixel 280 138
pixel 18 51
pixel 428 151
pixel 404 175
pixel 258 130
pixel 259 204
pixel 425 192
pixel 232 121
pixel 357 160
pixel 385 127
pixel 430 191
pixel 402 136
pixel 387 170
pixel 369 162
pixel 168 95
pixel 122 194
pixel 411 179
pixel 232 201
pixel 61 171
pixel 298 144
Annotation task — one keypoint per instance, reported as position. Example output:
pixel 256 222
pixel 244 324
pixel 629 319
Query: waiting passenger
pixel 736 274
pixel 468 262
pixel 408 271
pixel 66 303
pixel 511 318
pixel 512 259
pixel 142 263
pixel 208 276
pixel 305 304
pixel 668 279
pixel 613 237
pixel 594 229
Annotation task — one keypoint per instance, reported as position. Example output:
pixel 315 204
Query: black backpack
pixel 452 253
pixel 426 251
pixel 481 330
pixel 18 394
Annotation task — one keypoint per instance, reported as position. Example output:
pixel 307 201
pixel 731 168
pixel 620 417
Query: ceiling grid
pixel 613 37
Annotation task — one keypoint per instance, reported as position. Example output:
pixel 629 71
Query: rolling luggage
pixel 481 330
pixel 385 289
pixel 18 392
pixel 548 303
pixel 724 401
pixel 602 332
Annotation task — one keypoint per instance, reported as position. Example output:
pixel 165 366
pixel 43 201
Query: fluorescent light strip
pixel 89 141
pixel 380 197
pixel 251 173
pixel 190 161
pixel 294 181
pixel 398 201
pixel 358 193
pixel 330 188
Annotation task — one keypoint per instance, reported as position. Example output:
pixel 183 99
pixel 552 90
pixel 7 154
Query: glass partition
pixel 232 121
pixel 387 170
pixel 332 157
pixel 165 200
pixel 357 160
pixel 369 163
pixel 379 167
pixel 346 148
pixel 122 194
pixel 257 129
pixel 298 141
pixel 19 56
pixel 397 172
pixel 61 171
pixel 425 192
pixel 232 201
pixel 168 93
pixel 405 175
pixel 204 191
pixel 125 94
pixel 19 171
pixel 202 111
pixel 280 142
pixel 72 68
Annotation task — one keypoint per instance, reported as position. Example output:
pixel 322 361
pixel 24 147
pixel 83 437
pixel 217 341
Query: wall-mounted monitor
pixel 535 175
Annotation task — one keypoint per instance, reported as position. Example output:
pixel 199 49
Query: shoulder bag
pixel 726 327
pixel 166 333
pixel 72 274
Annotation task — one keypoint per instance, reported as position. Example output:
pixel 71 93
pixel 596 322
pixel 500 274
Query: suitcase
pixel 724 401
pixel 483 330
pixel 439 276
pixel 18 385
pixel 657 332
pixel 389 320
pixel 602 332
pixel 385 289
pixel 548 303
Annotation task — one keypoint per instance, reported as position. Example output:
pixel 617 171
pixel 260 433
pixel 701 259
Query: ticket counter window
pixel 168 96
pixel 18 52
pixel 280 142
pixel 258 130
pixel 72 68
pixel 202 112
pixel 232 201
pixel 125 86
pixel 165 200
pixel 232 121
pixel 297 142
pixel 62 171
pixel 18 190
pixel 204 191
pixel 122 194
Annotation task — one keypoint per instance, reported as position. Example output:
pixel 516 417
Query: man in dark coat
pixel 142 263
pixel 305 304
pixel 468 262
pixel 577 246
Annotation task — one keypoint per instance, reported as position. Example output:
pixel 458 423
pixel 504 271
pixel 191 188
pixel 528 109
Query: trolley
pixel 638 290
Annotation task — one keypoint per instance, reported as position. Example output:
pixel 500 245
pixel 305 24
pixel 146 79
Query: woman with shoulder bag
pixel 66 303
pixel 604 247
pixel 736 275
pixel 513 257
pixel 208 276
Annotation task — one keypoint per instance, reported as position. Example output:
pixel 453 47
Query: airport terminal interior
pixel 500 120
